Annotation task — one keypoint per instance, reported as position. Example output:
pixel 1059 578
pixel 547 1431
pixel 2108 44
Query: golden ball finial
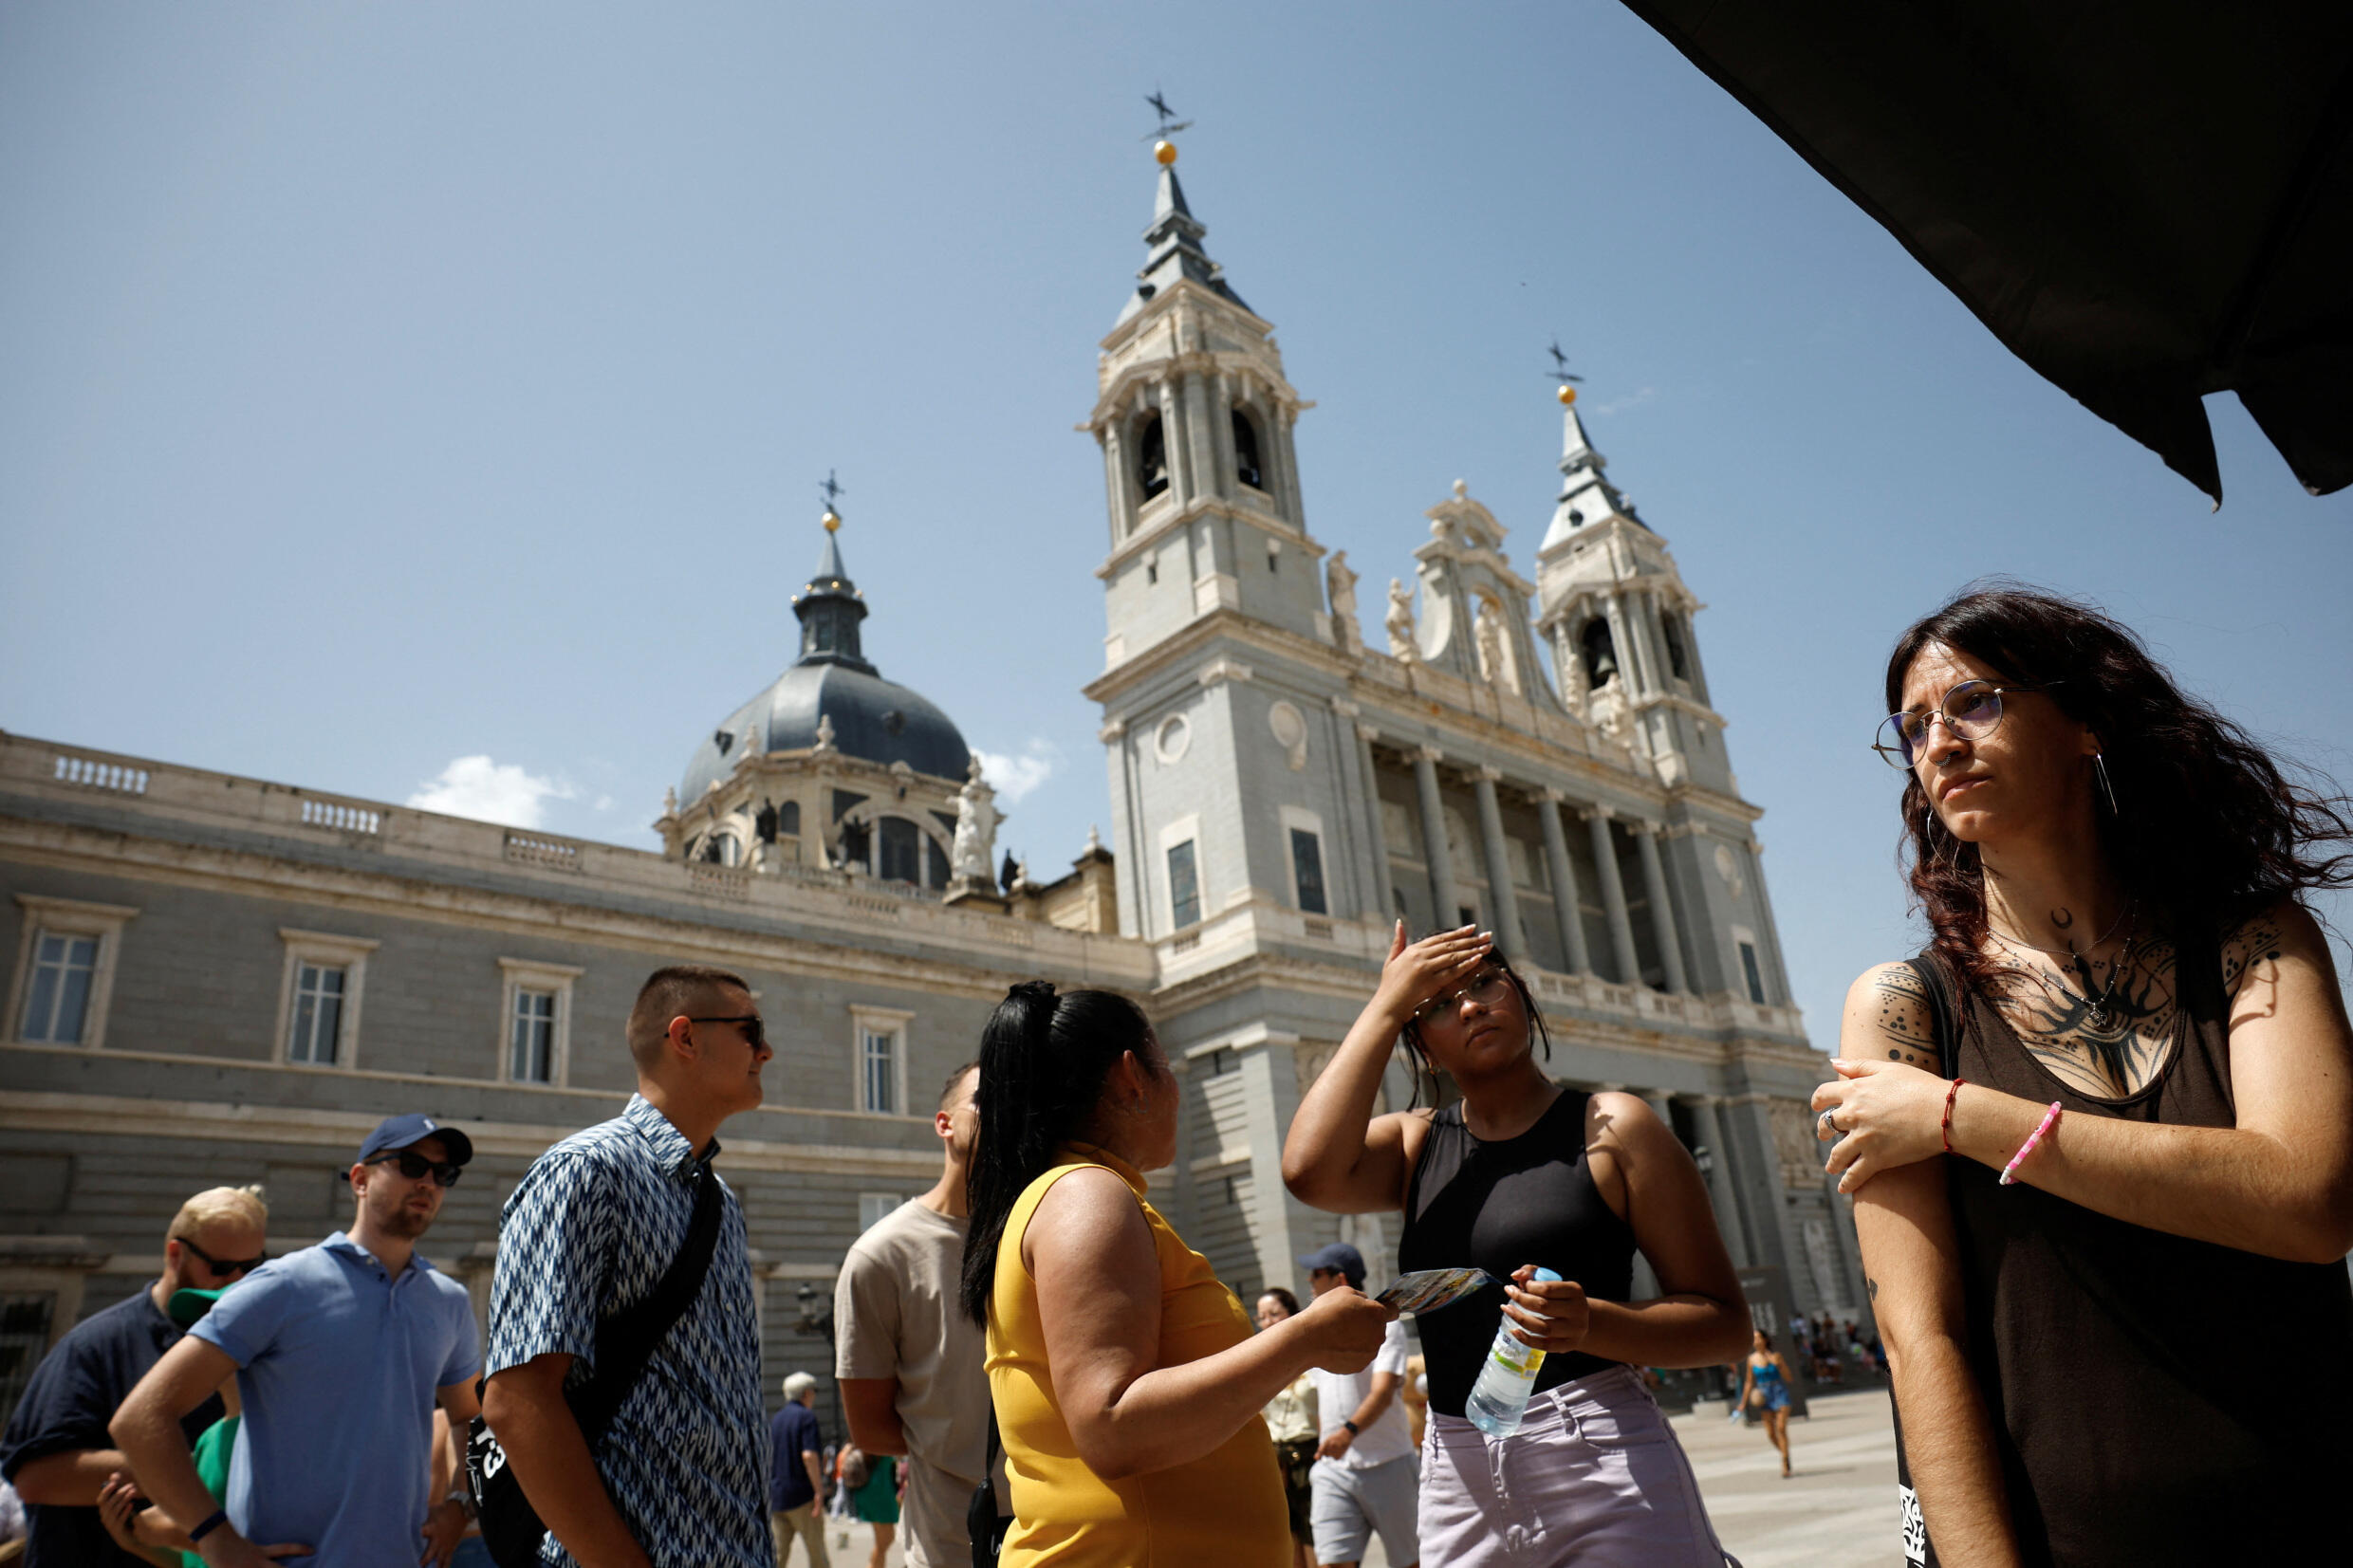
pixel 830 520
pixel 1165 151
pixel 1568 396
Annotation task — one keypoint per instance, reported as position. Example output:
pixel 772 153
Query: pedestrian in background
pixel 2115 1093
pixel 796 1475
pixel 1126 1379
pixel 876 1503
pixel 1291 1421
pixel 57 1452
pixel 341 1352
pixel 681 1479
pixel 1366 1477
pixel 1764 1389
pixel 907 1357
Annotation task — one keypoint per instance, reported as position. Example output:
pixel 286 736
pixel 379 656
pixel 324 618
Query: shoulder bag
pixel 982 1522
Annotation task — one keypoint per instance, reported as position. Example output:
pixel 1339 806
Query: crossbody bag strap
pixel 1943 1012
pixel 626 1342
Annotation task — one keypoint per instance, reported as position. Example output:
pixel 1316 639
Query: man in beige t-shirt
pixel 908 1360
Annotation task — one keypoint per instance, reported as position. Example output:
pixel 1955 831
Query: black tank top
pixel 2155 1399
pixel 1497 1206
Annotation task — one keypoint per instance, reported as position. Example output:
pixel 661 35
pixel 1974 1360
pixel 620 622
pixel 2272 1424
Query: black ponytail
pixel 1043 1061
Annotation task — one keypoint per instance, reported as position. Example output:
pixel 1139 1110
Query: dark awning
pixel 2146 202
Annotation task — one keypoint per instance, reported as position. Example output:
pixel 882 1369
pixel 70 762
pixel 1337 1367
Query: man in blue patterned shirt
pixel 680 1480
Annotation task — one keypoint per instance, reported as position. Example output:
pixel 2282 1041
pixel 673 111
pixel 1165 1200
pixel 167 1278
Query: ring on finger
pixel 1829 1128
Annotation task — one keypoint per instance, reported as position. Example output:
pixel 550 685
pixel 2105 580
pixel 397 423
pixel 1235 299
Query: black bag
pixel 625 1343
pixel 981 1520
pixel 1944 1031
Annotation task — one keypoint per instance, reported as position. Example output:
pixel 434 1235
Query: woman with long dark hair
pixel 1520 1173
pixel 2106 1119
pixel 1127 1380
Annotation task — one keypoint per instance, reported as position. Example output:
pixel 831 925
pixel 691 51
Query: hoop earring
pixel 2100 765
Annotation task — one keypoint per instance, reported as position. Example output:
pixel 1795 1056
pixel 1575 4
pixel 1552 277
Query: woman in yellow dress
pixel 1126 1379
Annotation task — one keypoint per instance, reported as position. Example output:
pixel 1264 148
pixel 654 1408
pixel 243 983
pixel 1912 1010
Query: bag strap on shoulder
pixel 626 1342
pixel 1943 1010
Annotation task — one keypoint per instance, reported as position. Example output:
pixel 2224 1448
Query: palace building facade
pixel 216 979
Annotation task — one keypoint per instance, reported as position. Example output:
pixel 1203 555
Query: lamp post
pixel 817 1317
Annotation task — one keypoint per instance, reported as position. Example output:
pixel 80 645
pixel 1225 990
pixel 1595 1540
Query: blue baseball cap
pixel 1340 1256
pixel 396 1132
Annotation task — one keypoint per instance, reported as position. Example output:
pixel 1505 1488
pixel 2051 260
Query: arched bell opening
pixel 1601 653
pixel 1151 458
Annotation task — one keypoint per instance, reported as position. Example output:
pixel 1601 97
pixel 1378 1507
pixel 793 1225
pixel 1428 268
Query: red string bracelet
pixel 1949 1095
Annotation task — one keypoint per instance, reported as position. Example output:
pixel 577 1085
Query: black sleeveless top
pixel 1497 1206
pixel 2155 1399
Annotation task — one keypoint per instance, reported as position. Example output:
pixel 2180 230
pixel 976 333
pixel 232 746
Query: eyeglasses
pixel 223 1265
pixel 416 1166
pixel 753 1030
pixel 1486 987
pixel 1973 711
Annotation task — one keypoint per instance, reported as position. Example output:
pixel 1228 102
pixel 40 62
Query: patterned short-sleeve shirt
pixel 591 1230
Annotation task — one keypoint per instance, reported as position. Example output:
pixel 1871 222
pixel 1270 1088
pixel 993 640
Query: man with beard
pixel 909 1359
pixel 340 1351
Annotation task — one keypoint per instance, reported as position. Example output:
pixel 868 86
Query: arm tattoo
pixel 1903 1020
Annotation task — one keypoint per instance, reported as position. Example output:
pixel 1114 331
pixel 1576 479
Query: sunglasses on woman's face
pixel 1486 987
pixel 221 1266
pixel 415 1167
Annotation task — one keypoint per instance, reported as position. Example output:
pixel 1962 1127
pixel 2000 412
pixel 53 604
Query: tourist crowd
pixel 1029 1351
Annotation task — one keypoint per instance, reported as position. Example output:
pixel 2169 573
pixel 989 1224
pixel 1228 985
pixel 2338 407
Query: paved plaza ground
pixel 1837 1509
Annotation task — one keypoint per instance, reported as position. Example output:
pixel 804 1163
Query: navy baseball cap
pixel 396 1132
pixel 1340 1255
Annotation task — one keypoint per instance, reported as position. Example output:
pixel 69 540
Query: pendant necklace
pixel 2100 1007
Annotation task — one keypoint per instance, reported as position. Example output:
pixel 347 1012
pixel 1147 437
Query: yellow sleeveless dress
pixel 1223 1510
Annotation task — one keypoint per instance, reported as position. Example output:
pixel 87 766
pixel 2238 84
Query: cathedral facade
pixel 217 979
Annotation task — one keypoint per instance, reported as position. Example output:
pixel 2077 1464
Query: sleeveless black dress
pixel 1497 1206
pixel 2154 1399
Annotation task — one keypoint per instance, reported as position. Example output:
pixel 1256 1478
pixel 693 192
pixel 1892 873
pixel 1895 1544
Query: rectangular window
pixel 1755 976
pixel 318 990
pixel 878 1060
pixel 58 1000
pixel 25 1319
pixel 532 1049
pixel 1307 871
pixel 873 1207
pixel 902 851
pixel 1184 886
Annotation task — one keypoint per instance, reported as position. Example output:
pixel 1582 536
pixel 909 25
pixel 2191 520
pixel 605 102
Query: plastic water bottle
pixel 1500 1396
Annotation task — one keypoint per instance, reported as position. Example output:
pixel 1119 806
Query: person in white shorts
pixel 1367 1476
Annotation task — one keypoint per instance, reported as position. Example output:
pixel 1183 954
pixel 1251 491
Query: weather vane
pixel 1170 124
pixel 832 491
pixel 1561 372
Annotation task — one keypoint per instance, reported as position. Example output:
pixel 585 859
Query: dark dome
pixel 875 720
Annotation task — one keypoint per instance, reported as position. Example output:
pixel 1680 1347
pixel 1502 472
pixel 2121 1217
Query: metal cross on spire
pixel 830 490
pixel 1560 365
pixel 1170 124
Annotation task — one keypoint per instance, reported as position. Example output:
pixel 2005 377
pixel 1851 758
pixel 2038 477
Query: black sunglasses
pixel 753 1030
pixel 413 1164
pixel 223 1265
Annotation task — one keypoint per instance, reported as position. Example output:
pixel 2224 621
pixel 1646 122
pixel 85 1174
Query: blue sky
pixel 391 386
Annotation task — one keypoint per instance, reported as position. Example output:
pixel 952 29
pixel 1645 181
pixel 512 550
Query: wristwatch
pixel 464 1499
pixel 1354 1431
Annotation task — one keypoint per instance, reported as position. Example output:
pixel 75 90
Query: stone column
pixel 1433 836
pixel 1699 670
pixel 1380 899
pixel 1173 450
pixel 1721 1189
pixel 1633 670
pixel 1221 435
pixel 1293 507
pixel 1504 919
pixel 1566 907
pixel 1661 912
pixel 1200 441
pixel 1614 898
pixel 1115 475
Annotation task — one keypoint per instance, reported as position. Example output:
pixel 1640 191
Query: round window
pixel 1170 741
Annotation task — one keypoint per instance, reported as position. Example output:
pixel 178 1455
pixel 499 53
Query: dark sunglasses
pixel 413 1166
pixel 753 1030
pixel 223 1265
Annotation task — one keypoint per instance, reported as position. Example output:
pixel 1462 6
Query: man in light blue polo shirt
pixel 340 1351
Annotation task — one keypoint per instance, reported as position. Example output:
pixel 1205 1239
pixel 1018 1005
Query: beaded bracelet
pixel 2051 1119
pixel 1949 1095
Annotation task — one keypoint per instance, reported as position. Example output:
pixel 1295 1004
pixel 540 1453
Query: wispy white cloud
pixel 1014 777
pixel 490 792
pixel 1632 399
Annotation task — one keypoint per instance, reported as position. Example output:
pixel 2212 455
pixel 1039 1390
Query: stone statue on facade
pixel 1486 635
pixel 1341 584
pixel 1400 623
pixel 977 828
pixel 824 733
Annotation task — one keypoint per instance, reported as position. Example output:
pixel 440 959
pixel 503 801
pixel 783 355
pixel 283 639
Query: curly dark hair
pixel 2208 829
pixel 1043 1058
pixel 1411 1034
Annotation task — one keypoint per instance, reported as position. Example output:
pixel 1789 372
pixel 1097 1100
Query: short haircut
pixel 947 1090
pixel 669 993
pixel 799 1383
pixel 219 1206
pixel 1290 1303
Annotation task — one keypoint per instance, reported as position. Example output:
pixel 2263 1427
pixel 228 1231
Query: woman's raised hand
pixel 1883 1115
pixel 1417 972
pixel 1344 1328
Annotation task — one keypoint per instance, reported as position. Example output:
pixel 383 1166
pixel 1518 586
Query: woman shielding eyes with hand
pixel 2110 1107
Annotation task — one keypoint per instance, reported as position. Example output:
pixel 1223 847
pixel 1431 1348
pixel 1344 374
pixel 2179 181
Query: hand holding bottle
pixel 1550 1314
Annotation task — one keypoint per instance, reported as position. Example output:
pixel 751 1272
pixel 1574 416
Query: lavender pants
pixel 1593 1478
